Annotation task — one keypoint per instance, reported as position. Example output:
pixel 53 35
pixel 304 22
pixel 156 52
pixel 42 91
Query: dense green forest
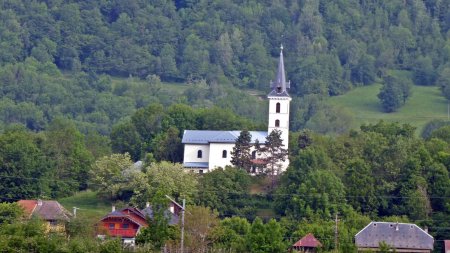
pixel 87 88
pixel 58 57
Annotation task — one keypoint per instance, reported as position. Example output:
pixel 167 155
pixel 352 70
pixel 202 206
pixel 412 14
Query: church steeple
pixel 280 86
pixel 279 101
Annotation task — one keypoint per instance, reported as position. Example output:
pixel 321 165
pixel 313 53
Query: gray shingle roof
pixel 52 210
pixel 396 235
pixel 207 136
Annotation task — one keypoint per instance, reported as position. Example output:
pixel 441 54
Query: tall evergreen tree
pixel 273 153
pixel 240 155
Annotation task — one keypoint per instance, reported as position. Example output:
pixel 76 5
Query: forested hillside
pixel 330 47
pixel 88 88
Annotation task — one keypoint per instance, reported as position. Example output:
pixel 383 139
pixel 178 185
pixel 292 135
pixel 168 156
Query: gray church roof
pixel 207 136
pixel 396 235
pixel 280 86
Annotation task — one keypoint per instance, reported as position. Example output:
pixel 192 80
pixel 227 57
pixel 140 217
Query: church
pixel 205 150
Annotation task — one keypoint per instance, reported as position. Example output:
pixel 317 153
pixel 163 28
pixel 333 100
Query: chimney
pixel 39 202
pixel 425 229
pixel 147 204
pixel 396 226
pixel 113 208
pixel 172 207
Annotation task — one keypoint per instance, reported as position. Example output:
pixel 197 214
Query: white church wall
pixel 216 152
pixel 191 152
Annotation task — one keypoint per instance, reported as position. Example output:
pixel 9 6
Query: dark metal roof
pixel 279 86
pixel 207 136
pixel 173 218
pixel 195 165
pixel 396 235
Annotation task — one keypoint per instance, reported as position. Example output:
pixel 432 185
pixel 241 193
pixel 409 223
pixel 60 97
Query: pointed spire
pixel 280 86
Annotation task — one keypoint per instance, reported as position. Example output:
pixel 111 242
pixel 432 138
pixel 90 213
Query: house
pixel 403 237
pixel 205 150
pixel 127 222
pixel 55 215
pixel 124 223
pixel 308 244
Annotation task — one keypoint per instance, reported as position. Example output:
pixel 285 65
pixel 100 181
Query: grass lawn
pixel 91 207
pixel 426 103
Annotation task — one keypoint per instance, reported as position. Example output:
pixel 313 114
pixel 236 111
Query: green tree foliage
pixel 168 178
pixel 10 213
pixel 111 176
pixel 24 169
pixel 200 223
pixel 158 231
pixel 231 234
pixel 394 93
pixel 330 48
pixel 240 155
pixel 226 190
pixel 273 152
pixel 265 237
pixel 70 159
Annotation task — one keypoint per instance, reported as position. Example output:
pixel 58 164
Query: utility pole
pixel 75 211
pixel 183 209
pixel 182 225
pixel 336 233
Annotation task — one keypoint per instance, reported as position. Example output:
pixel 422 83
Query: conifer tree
pixel 240 155
pixel 273 153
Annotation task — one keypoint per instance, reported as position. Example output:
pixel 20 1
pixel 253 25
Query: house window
pixel 200 172
pixel 278 108
pixel 126 225
pixel 254 154
pixel 199 154
pixel 224 154
pixel 277 123
pixel 111 225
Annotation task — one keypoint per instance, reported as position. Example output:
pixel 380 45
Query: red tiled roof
pixel 308 241
pixel 447 246
pixel 28 206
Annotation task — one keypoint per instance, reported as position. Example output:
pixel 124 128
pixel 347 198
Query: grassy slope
pixel 91 207
pixel 425 104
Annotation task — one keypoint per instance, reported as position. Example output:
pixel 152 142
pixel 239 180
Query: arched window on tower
pixel 199 154
pixel 277 123
pixel 278 106
pixel 254 154
pixel 224 154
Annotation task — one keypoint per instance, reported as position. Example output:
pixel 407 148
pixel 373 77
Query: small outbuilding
pixel 403 237
pixel 308 244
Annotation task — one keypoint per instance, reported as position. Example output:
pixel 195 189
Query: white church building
pixel 205 150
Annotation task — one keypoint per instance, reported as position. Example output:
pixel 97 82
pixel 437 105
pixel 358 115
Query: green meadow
pixel 90 207
pixel 425 104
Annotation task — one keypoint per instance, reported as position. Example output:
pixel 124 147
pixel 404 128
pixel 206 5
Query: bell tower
pixel 279 101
